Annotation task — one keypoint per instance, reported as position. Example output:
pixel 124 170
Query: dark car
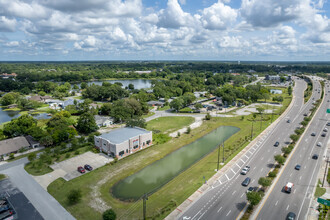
pixel 251 189
pixel 313 134
pixel 288 121
pixel 328 124
pixel 246 182
pixel 88 167
pixel 291 216
pixel 297 167
pixel 305 114
pixel 276 144
pixel 323 135
pixel 315 156
pixel 81 170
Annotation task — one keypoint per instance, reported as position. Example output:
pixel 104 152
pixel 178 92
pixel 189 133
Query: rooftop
pixel 120 135
pixel 13 144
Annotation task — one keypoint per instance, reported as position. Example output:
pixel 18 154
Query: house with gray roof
pixel 103 121
pixel 123 141
pixel 12 145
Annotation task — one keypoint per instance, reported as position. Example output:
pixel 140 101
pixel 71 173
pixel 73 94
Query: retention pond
pixel 152 177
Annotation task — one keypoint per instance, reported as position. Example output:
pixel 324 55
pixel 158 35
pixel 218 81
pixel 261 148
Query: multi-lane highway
pixel 278 204
pixel 227 199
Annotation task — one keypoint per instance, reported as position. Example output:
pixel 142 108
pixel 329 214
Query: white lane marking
pixel 294 191
pixel 287 207
pixel 261 169
pixel 300 177
pixel 242 195
pixel 201 215
pixel 254 168
pixel 227 176
pixel 233 192
pixel 196 214
pixel 219 209
pixel 276 203
pixel 262 158
pixel 246 156
pixel 238 166
pixel 242 160
pixel 290 174
pixel 228 212
pixel 232 170
pixel 252 181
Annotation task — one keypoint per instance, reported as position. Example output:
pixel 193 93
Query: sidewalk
pixel 313 213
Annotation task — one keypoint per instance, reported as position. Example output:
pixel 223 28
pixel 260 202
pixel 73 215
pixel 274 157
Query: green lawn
pixel 319 192
pixel 169 124
pixel 166 107
pixel 2 176
pixel 148 115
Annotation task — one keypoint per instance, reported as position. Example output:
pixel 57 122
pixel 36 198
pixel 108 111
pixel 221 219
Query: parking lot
pixel 22 206
pixel 68 169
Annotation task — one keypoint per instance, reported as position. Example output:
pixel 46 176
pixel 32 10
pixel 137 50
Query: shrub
pixel 286 150
pixel 74 196
pixel 67 155
pixel 178 134
pixel 272 174
pixel 254 197
pixel 280 159
pixel 160 138
pixel 264 181
pixel 208 116
pixel 76 152
pixel 11 156
pixel 188 130
pixel 109 215
pixel 32 156
pixel 294 137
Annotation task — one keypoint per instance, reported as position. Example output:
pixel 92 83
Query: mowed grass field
pixel 169 124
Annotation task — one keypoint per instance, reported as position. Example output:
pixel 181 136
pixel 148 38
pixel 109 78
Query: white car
pixel 288 187
pixel 245 170
pixel 319 144
pixel 325 130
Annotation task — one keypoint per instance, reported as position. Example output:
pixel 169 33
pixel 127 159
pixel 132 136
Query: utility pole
pixel 145 198
pixel 218 157
pixel 261 122
pixel 223 152
pixel 272 113
pixel 252 131
pixel 325 172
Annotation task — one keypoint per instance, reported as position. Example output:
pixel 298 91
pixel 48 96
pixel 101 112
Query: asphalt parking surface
pixel 25 210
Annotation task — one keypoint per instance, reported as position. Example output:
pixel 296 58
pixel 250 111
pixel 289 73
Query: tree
pixel 208 116
pixel 47 140
pixel 32 156
pixel 294 137
pixel 198 106
pixel 83 85
pixel 188 130
pixel 254 197
pixel 86 123
pixel 289 90
pixel 136 122
pixel 109 215
pixel 176 104
pixel 286 150
pixel 260 110
pixel 7 99
pixel 264 181
pixel 74 196
pixel 106 109
pixel 19 126
pixel 130 86
pixel 280 159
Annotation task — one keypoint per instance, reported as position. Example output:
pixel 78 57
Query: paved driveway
pixel 68 169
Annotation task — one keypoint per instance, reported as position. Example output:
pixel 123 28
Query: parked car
pixel 323 134
pixel 313 134
pixel 319 144
pixel 245 170
pixel 328 124
pixel 246 182
pixel 291 216
pixel 88 167
pixel 276 144
pixel 81 170
pixel 325 130
pixel 297 167
pixel 315 156
pixel 288 187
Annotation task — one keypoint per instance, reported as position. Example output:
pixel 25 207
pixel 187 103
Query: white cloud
pixel 218 16
pixel 22 9
pixel 7 25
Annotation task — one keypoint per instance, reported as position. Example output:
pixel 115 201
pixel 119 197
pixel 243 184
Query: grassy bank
pixel 169 124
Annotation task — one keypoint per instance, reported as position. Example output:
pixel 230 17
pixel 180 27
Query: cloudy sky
pixel 165 30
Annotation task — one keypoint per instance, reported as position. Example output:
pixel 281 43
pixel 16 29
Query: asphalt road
pixel 46 205
pixel 24 209
pixel 227 199
pixel 279 204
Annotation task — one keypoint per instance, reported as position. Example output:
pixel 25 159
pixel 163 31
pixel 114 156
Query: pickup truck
pixel 288 187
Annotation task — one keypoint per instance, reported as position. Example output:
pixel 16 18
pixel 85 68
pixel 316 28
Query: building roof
pixel 13 144
pixel 120 135
pixel 101 119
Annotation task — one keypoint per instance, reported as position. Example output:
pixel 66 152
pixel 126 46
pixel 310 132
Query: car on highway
pixel 328 124
pixel 297 167
pixel 88 167
pixel 276 144
pixel 288 121
pixel 305 114
pixel 323 134
pixel 81 170
pixel 313 134
pixel 319 144
pixel 245 170
pixel 288 187
pixel 315 156
pixel 325 130
pixel 246 182
pixel 291 216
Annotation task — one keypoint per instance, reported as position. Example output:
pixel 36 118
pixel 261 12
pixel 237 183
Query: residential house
pixel 13 145
pixel 103 121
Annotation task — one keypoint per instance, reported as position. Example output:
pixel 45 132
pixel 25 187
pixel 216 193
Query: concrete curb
pixel 264 199
pixel 176 214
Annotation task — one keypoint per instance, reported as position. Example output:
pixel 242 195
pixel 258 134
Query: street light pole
pixel 218 157
pixel 252 131
pixel 223 152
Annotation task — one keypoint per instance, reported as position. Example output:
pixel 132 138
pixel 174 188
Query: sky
pixel 246 30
